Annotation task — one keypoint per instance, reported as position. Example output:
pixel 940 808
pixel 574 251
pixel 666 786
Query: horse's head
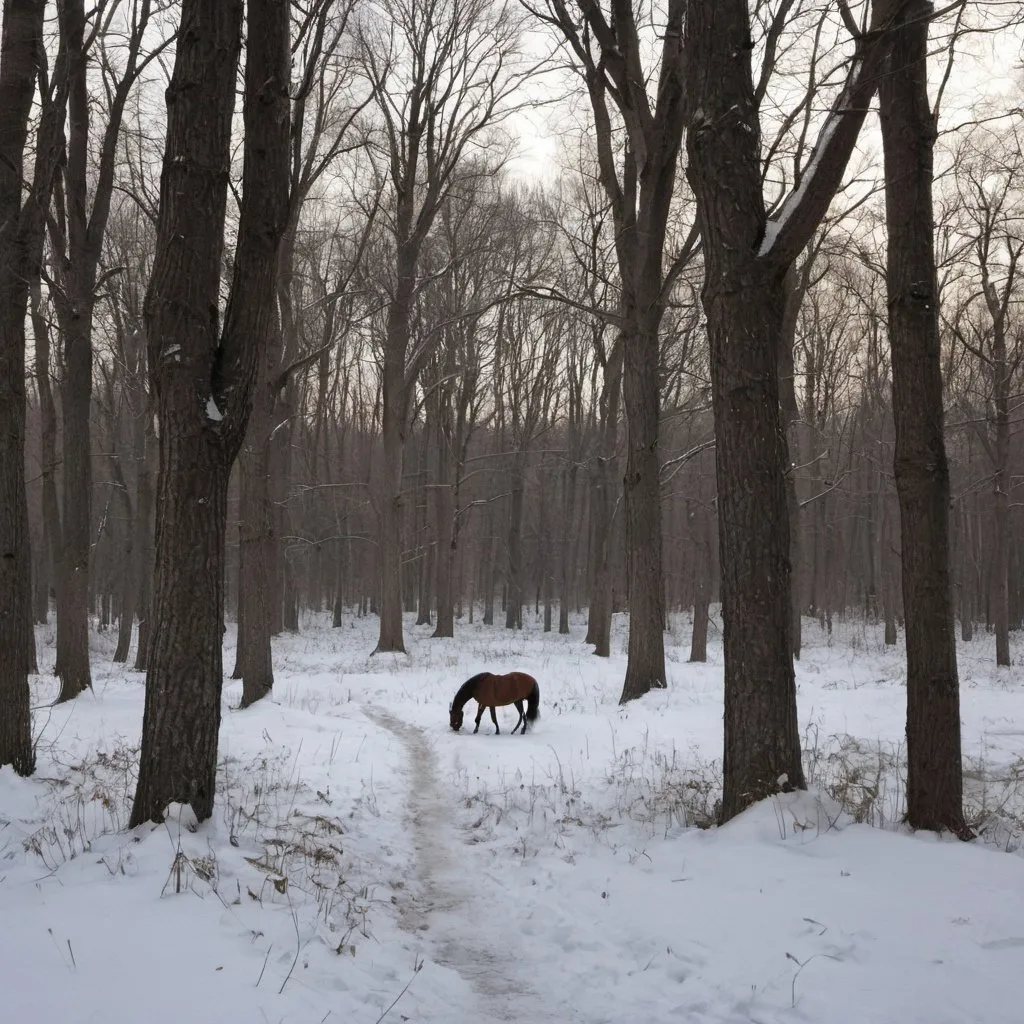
pixel 454 717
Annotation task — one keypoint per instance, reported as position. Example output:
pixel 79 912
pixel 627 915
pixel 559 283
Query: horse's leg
pixel 494 719
pixel 522 717
pixel 479 715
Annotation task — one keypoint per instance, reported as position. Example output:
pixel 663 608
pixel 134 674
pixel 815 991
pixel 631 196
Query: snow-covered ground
pixel 366 864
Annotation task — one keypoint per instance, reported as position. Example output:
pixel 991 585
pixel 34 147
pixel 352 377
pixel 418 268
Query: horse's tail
pixel 533 703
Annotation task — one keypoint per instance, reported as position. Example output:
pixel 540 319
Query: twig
pixel 801 966
pixel 416 970
pixel 298 945
pixel 264 967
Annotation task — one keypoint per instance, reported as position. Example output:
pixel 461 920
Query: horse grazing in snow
pixel 493 691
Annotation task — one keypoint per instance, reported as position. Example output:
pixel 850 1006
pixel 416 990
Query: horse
pixel 492 691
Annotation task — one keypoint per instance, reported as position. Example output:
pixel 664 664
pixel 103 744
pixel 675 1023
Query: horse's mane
pixel 465 691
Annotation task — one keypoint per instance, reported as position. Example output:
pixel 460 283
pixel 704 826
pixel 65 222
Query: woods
pixel 741 344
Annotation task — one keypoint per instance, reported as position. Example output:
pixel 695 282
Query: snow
pixel 212 412
pixel 795 198
pixel 362 856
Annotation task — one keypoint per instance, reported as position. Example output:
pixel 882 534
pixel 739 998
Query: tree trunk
pixel 22 43
pixel 123 572
pixel 967 575
pixel 701 582
pixel 744 301
pixel 569 524
pixel 75 313
pixel 444 531
pixel 390 549
pixel 489 544
pixel 641 491
pixel 424 589
pixel 181 719
pixel 256 550
pixel 145 545
pixel 762 739
pixel 425 526
pixel 514 601
pixel 393 416
pixel 290 595
pixel 40 582
pixel 602 503
pixel 73 651
pixel 137 525
pixel 339 591
pixel 890 582
pixel 203 378
pixel 238 672
pixel 934 766
pixel 126 619
pixel 794 289
pixel 1001 493
pixel 48 462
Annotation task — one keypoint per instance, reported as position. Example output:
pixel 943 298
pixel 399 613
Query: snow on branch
pixel 803 209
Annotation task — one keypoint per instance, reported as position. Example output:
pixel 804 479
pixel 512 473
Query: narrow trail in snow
pixel 448 905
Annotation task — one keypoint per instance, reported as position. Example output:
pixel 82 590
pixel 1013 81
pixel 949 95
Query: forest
pixel 495 311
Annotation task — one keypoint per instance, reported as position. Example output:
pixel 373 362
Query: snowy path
pixel 447 903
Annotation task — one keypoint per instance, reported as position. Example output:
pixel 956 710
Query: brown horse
pixel 491 691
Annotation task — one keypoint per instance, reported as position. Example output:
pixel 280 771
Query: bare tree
pixel 20 52
pixel 323 114
pixel 129 241
pixel 77 228
pixel 589 283
pixel 203 377
pixel 442 73
pixel 607 47
pixel 934 764
pixel 747 258
pixel 528 346
pixel 471 240
pixel 992 229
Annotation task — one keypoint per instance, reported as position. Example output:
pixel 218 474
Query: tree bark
pixel 641 492
pixel 40 583
pixel 394 414
pixel 890 583
pixel 256 550
pixel 1002 379
pixel 603 500
pixel 20 49
pixel 424 588
pixel 762 739
pixel 444 523
pixel 75 314
pixel 794 288
pixel 203 378
pixel 391 636
pixel 514 601
pixel 934 765
pixel 489 544
pixel 968 575
pixel 145 537
pixel 746 261
pixel 744 301
pixel 48 459
pixel 701 582
pixel 569 525
pixel 139 524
